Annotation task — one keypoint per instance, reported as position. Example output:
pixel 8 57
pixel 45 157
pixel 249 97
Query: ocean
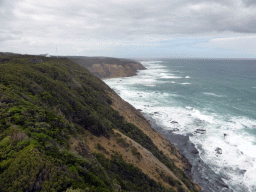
pixel 213 101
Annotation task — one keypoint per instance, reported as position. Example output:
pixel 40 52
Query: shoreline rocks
pixel 200 172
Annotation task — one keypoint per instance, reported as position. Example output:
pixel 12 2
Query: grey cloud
pixel 7 35
pixel 183 17
pixel 151 17
pixel 249 2
pixel 123 20
pixel 213 16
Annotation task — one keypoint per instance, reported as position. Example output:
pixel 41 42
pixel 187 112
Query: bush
pixel 122 142
pixel 135 152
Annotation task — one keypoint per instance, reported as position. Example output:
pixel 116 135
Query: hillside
pixel 107 67
pixel 59 131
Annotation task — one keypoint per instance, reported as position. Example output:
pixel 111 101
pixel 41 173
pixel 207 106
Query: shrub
pixel 101 148
pixel 122 142
pixel 135 152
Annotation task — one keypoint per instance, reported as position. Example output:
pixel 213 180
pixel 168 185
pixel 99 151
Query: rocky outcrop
pixel 106 67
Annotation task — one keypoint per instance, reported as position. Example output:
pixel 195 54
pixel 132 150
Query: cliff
pixel 106 67
pixel 60 130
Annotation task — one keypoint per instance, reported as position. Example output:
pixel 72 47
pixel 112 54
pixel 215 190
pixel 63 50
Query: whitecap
pixel 150 85
pixel 212 94
pixel 150 62
pixel 250 178
pixel 170 77
pixel 185 83
pixel 187 77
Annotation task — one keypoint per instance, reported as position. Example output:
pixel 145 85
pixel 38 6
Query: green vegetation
pixel 122 142
pixel 135 152
pixel 129 177
pixel 45 103
pixel 101 148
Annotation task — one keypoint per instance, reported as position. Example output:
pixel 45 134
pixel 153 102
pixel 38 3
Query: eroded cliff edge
pixel 107 67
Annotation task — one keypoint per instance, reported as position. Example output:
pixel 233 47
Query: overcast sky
pixel 130 28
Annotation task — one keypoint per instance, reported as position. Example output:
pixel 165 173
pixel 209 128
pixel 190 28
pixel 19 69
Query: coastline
pixel 186 153
pixel 198 170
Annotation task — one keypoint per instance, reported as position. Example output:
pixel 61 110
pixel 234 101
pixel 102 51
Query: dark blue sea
pixel 211 100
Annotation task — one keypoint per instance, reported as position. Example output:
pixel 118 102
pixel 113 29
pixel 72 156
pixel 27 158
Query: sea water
pixel 211 100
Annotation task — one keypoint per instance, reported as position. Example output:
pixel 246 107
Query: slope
pixel 54 117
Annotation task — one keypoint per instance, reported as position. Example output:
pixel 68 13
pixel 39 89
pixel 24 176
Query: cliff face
pixel 104 67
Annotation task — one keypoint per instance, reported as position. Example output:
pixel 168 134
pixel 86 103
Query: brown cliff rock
pixel 106 67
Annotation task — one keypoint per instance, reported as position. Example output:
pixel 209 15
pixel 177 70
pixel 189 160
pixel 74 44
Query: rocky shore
pixel 186 157
pixel 200 172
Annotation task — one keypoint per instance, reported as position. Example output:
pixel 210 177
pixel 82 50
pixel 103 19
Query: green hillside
pixel 44 102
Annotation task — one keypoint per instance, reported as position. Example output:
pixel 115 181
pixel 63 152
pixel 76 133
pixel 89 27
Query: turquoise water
pixel 211 100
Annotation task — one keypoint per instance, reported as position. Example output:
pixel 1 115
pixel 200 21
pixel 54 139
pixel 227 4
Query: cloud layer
pixel 103 27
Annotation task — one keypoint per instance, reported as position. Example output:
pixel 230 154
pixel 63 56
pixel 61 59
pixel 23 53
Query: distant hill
pixel 6 53
pixel 60 131
pixel 108 67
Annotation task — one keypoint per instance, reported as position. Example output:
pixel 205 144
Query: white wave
pixel 187 77
pixel 170 77
pixel 185 83
pixel 213 94
pixel 150 85
pixel 250 178
pixel 238 149
pixel 150 62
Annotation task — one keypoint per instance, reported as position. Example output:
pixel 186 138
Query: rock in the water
pixel 242 171
pixel 173 130
pixel 218 150
pixel 193 150
pixel 201 131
